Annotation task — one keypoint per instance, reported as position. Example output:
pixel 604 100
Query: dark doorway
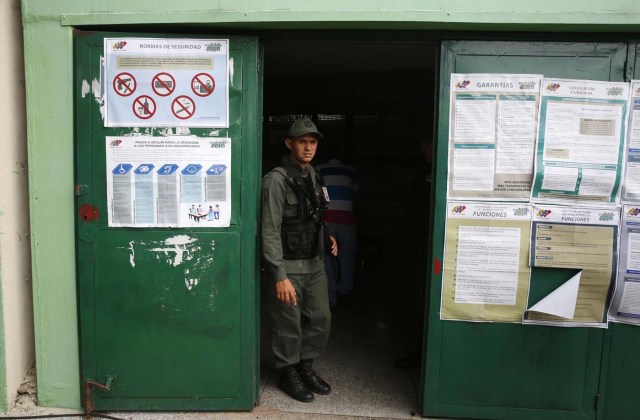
pixel 374 102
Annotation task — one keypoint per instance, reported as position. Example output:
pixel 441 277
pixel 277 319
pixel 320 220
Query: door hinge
pixel 596 402
pixel 88 398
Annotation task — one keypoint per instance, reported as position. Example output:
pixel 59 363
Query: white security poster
pixel 492 132
pixel 631 186
pixel 580 141
pixel 625 306
pixel 582 239
pixel 155 82
pixel 486 275
pixel 173 181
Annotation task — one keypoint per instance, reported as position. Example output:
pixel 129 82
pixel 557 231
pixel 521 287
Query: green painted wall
pixel 50 143
pixel 48 59
pixel 591 14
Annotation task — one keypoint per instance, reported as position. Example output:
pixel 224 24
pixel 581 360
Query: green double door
pixel 165 346
pixel 510 371
pixel 168 316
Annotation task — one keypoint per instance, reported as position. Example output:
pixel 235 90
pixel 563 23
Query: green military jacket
pixel 278 201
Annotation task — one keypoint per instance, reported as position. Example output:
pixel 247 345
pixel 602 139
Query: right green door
pixel 511 371
pixel 622 363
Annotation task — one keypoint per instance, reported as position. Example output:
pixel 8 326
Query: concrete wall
pixel 49 66
pixel 15 264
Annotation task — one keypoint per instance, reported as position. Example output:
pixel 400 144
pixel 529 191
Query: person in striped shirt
pixel 342 183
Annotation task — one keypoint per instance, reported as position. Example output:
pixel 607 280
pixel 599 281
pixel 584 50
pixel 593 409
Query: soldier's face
pixel 302 148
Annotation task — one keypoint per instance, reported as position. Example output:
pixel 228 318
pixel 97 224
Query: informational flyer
pixel 492 132
pixel 173 181
pixel 156 82
pixel 625 306
pixel 580 142
pixel 585 239
pixel 486 272
pixel 631 186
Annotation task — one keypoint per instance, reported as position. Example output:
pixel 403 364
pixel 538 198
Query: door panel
pixel 506 371
pixel 151 323
pixel 497 362
pixel 622 372
pixel 622 368
pixel 172 325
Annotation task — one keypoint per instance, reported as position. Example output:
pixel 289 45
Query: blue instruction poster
pixel 173 181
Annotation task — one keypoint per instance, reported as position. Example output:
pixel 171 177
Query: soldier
pixel 293 202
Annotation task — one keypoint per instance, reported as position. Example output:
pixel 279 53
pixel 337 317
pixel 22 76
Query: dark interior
pixel 374 102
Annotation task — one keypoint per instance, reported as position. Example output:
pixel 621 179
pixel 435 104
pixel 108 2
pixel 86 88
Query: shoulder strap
pixel 297 186
pixel 319 180
pixel 281 171
pixel 287 176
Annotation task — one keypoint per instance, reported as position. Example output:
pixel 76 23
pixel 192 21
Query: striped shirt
pixel 341 182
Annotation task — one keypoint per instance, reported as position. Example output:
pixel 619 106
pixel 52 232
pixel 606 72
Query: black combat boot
pixel 310 378
pixel 291 383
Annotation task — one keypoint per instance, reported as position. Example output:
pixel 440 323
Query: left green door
pixel 161 344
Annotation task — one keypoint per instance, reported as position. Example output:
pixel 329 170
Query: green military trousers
pixel 300 331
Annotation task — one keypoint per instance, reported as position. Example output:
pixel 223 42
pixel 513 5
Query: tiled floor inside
pixel 366 338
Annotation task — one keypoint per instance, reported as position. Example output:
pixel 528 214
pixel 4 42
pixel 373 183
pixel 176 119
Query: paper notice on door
pixel 631 185
pixel 160 82
pixel 172 181
pixel 580 148
pixel 625 305
pixel 492 132
pixel 486 277
pixel 561 302
pixel 577 238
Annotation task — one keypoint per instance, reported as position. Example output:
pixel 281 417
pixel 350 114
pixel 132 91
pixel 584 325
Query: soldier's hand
pixel 285 292
pixel 334 245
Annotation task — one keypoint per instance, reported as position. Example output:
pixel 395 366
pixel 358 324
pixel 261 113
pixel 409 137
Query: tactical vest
pixel 301 233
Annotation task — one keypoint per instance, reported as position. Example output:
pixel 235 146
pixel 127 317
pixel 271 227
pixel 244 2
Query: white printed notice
pixel 625 306
pixel 631 185
pixel 174 181
pixel 155 82
pixel 486 276
pixel 580 240
pixel 477 277
pixel 580 141
pixel 492 132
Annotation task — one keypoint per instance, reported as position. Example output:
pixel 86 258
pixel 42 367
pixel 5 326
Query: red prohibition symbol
pixel 144 107
pixel 163 84
pixel 203 84
pixel 183 107
pixel 124 84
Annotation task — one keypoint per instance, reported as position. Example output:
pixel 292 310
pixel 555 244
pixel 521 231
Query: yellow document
pixel 486 272
pixel 579 238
